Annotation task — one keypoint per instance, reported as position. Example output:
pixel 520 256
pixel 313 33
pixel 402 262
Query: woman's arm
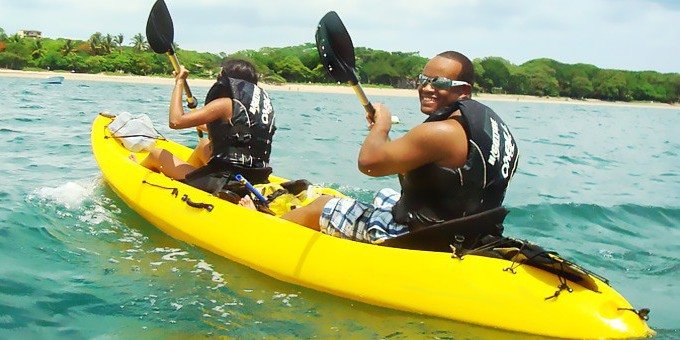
pixel 216 109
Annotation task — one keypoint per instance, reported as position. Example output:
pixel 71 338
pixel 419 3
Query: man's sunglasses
pixel 439 83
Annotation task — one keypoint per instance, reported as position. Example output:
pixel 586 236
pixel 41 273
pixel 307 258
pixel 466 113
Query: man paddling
pixel 456 163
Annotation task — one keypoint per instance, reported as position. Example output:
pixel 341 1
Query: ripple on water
pixel 34 106
pixel 26 92
pixel 28 119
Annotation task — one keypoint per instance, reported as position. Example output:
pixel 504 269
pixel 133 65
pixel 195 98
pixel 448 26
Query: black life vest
pixel 246 140
pixel 433 194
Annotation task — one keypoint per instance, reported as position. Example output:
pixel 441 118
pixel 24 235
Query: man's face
pixel 433 99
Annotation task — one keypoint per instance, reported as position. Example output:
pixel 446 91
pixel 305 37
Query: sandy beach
pixel 319 88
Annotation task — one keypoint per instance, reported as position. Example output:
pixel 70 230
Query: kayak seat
pixel 215 177
pixel 465 232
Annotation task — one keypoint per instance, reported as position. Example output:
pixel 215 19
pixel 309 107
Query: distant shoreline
pixel 320 88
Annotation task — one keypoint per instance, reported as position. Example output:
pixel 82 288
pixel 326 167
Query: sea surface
pixel 598 184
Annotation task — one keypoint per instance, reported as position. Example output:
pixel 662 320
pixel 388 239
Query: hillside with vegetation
pixel 300 64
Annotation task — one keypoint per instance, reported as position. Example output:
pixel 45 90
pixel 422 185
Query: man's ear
pixel 467 93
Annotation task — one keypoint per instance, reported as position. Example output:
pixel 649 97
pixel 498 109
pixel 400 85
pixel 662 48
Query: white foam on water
pixel 285 298
pixel 95 216
pixel 216 277
pixel 70 195
pixel 201 266
pixel 172 256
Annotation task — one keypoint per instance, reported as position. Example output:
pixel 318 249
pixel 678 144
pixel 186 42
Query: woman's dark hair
pixel 467 72
pixel 239 69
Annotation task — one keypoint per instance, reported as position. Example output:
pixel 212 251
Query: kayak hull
pixel 475 289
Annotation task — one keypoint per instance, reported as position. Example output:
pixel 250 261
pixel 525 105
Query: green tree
pixel 38 49
pixel 76 62
pixel 17 54
pixel 120 62
pixel 308 55
pixel 12 60
pixel 108 43
pixel 610 85
pixel 149 63
pixel 377 68
pixel 53 60
pixel 139 42
pixel 15 38
pixel 408 66
pixel 95 42
pixel 68 47
pixel 581 87
pixel 3 35
pixel 496 73
pixel 673 85
pixel 479 74
pixel 259 59
pixel 119 39
pixel 538 79
pixel 292 69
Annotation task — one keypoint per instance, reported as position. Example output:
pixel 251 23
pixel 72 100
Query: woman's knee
pixel 201 154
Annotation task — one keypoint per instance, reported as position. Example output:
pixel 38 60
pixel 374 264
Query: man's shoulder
pixel 439 132
pixel 444 125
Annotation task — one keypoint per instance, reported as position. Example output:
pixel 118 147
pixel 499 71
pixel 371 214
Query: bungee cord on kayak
pixel 174 191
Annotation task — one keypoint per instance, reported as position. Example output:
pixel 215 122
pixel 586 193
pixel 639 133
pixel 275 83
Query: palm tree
pixel 96 43
pixel 14 38
pixel 139 42
pixel 68 47
pixel 38 50
pixel 108 43
pixel 119 41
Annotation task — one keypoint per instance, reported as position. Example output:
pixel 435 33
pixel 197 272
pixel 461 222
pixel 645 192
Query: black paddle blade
pixel 159 30
pixel 335 48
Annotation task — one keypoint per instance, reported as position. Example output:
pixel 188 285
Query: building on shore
pixel 29 34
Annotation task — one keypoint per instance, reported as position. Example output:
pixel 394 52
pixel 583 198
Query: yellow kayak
pixel 475 289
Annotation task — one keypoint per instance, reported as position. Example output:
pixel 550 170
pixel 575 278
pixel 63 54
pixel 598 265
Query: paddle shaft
pixel 359 91
pixel 191 101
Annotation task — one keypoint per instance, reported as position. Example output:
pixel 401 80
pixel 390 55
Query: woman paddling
pixel 239 118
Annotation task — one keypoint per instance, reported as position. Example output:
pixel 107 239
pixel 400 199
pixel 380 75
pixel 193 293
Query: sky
pixel 632 35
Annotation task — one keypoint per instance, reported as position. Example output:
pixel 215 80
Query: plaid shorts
pixel 370 223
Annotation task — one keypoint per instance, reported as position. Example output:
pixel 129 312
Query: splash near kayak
pixel 494 281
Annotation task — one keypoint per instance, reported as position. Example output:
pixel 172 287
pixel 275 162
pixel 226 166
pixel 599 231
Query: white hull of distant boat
pixel 53 80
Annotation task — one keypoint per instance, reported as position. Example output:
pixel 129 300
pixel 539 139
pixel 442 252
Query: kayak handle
pixel 199 205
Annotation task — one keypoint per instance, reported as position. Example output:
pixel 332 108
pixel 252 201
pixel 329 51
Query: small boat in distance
pixel 53 80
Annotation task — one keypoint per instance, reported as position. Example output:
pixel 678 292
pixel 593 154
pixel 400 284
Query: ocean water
pixel 598 184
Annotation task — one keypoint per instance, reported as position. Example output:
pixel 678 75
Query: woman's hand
pixel 182 75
